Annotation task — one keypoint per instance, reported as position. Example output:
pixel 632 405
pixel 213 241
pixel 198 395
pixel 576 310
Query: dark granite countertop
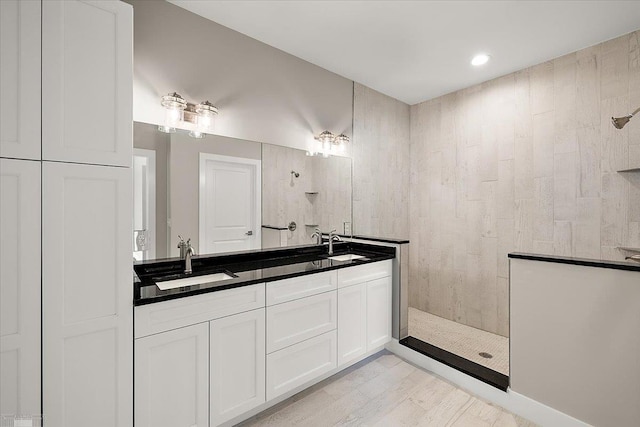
pixel 249 267
pixel 392 240
pixel 617 265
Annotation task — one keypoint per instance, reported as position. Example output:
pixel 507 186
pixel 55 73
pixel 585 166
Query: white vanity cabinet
pixel 364 309
pixel 264 342
pixel 237 365
pixel 210 346
pixel 301 337
pixel 172 378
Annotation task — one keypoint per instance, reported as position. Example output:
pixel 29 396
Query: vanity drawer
pixel 176 313
pixel 298 320
pixel 299 287
pixel 364 273
pixel 300 363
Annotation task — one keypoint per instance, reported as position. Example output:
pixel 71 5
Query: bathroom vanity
pixel 259 327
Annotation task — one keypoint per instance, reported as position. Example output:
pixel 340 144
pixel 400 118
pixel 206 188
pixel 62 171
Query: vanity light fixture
pixel 619 122
pixel 178 110
pixel 480 59
pixel 329 144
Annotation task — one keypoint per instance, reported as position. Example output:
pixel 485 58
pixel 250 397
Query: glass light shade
pixel 341 142
pixel 166 129
pixel 206 112
pixel 174 105
pixel 196 134
pixel 326 137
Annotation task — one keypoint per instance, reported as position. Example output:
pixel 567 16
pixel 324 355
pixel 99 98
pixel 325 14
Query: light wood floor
pixel 384 390
pixel 460 339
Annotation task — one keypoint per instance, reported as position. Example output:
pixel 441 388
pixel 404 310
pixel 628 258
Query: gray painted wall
pixel 263 94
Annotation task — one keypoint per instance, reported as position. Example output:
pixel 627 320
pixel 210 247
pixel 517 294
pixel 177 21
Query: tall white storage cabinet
pixel 20 79
pixel 87 62
pixel 20 292
pixel 87 81
pixel 20 240
pixel 87 297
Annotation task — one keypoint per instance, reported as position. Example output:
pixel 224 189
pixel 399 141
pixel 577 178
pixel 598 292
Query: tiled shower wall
pixel 321 194
pixel 527 162
pixel 380 164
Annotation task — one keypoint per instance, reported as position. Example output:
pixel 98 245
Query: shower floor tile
pixel 460 339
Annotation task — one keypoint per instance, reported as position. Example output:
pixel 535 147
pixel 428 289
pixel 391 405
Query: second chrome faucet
pixel 333 237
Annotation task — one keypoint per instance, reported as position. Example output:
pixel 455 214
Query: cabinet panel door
pixel 172 378
pixel 378 312
pixel 20 79
pixel 299 287
pixel 352 322
pixel 87 295
pixel 19 287
pixel 298 320
pixel 300 363
pixel 237 348
pixel 87 81
pixel 364 273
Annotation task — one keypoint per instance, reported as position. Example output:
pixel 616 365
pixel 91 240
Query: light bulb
pixel 480 59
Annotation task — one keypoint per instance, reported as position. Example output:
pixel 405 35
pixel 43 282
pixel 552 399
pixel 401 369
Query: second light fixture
pixel 330 143
pixel 178 110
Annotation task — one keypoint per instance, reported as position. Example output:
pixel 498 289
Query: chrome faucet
pixel 189 252
pixel 333 236
pixel 186 252
pixel 317 234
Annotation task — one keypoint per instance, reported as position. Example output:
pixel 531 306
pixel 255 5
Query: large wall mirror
pixel 230 195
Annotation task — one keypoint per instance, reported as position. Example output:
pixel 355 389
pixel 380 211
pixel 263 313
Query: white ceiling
pixel 418 50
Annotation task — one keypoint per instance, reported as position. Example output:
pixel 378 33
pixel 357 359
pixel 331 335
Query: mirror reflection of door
pixel 230 204
pixel 144 204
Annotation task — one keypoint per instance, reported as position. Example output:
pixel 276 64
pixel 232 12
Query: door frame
pixel 257 164
pixel 150 155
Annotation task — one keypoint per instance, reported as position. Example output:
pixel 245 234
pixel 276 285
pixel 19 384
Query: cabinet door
pixel 295 321
pixel 300 363
pixel 20 79
pixel 237 365
pixel 19 287
pixel 378 312
pixel 87 81
pixel 87 295
pixel 352 322
pixel 172 378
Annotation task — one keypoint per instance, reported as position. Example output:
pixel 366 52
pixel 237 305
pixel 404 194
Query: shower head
pixel 296 174
pixel 619 122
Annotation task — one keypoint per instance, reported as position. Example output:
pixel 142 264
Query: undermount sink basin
pixel 194 280
pixel 345 257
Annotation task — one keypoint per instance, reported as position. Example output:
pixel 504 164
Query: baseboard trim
pixel 510 400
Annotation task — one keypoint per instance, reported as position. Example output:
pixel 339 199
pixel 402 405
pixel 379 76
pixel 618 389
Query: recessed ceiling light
pixel 480 59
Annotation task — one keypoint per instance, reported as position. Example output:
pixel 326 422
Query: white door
pixel 378 312
pixel 144 204
pixel 352 322
pixel 230 204
pixel 20 79
pixel 237 364
pixel 87 295
pixel 87 81
pixel 172 378
pixel 19 287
